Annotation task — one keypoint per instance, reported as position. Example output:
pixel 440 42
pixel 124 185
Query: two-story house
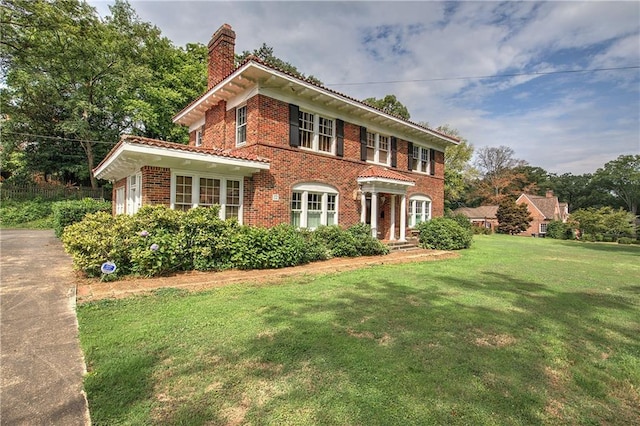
pixel 272 148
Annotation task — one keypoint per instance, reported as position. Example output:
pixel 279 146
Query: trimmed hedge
pixel 66 213
pixel 157 241
pixel 443 233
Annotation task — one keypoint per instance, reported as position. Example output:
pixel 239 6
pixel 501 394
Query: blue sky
pixel 564 123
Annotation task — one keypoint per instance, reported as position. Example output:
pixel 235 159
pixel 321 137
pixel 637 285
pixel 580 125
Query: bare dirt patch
pixel 93 289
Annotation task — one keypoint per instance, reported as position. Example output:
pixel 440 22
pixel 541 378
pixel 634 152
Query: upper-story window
pixel 378 148
pixel 199 136
pixel 421 161
pixel 316 132
pixel 241 125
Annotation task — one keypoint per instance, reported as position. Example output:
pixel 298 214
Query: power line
pixel 488 76
pixel 59 138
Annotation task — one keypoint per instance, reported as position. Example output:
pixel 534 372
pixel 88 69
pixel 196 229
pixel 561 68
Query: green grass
pixel 516 331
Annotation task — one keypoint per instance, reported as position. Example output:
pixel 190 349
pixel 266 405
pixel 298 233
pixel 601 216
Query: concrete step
pixel 410 244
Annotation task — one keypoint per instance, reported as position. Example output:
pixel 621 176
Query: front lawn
pixel 516 331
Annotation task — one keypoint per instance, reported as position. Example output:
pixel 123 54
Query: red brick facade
pixel 267 194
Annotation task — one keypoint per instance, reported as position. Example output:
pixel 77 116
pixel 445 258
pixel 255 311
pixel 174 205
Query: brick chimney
pixel 221 54
pixel 549 193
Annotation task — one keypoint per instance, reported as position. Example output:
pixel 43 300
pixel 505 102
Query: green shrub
pixel 209 239
pixel 66 213
pixel 444 234
pixel 157 240
pixel 626 240
pixel 266 248
pixel 462 220
pixel 24 213
pixel 365 244
pixel 481 230
pixel 559 230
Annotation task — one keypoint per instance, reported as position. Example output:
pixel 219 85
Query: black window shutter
pixel 432 160
pixel 410 155
pixel 394 151
pixel 294 125
pixel 363 143
pixel 339 138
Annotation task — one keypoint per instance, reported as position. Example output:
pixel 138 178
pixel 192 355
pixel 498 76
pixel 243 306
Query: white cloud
pixel 563 123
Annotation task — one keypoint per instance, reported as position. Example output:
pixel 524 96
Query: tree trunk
pixel 88 149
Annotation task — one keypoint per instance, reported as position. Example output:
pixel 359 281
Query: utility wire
pixel 633 67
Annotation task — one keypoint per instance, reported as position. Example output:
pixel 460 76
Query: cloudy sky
pixel 430 55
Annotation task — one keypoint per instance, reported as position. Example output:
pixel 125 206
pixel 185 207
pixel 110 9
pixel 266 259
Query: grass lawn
pixel 516 331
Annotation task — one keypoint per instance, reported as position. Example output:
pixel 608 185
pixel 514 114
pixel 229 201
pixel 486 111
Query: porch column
pixel 363 207
pixel 392 225
pixel 374 214
pixel 403 217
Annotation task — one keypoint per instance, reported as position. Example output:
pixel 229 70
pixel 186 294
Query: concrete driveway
pixel 42 364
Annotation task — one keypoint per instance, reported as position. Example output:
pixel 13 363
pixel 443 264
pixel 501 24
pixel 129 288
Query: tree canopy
pixel 74 83
pixel 265 53
pixel 622 177
pixel 389 104
pixel 512 218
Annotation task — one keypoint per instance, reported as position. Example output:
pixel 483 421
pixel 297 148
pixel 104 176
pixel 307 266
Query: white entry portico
pixel 379 183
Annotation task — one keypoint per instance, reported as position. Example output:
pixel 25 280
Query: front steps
pixel 410 244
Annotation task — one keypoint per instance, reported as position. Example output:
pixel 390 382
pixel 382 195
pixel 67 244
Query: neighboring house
pixel 543 209
pixel 272 148
pixel 483 216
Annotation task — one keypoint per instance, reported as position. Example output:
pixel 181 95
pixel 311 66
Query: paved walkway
pixel 42 364
pixel 91 290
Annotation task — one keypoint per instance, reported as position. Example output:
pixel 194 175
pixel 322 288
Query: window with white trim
pixel 241 125
pixel 419 210
pixel 120 200
pixel 199 190
pixel 134 196
pixel 421 161
pixel 378 147
pixel 314 205
pixel 316 132
pixel 199 136
pixel 543 228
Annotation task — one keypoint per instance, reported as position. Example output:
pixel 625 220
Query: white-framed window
pixel 313 205
pixel 316 132
pixel 120 200
pixel 199 136
pixel 241 125
pixel 421 159
pixel 190 189
pixel 419 209
pixel 543 228
pixel 134 193
pixel 378 147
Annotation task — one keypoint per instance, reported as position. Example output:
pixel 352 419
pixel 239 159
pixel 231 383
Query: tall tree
pixel 78 82
pixel 622 177
pixel 458 170
pixel 512 218
pixel 498 168
pixel 265 53
pixel 389 104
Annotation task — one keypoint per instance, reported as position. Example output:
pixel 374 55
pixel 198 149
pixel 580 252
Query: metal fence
pixel 51 192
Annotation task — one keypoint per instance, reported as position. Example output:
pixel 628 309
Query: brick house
pixel 272 148
pixel 543 209
pixel 483 216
